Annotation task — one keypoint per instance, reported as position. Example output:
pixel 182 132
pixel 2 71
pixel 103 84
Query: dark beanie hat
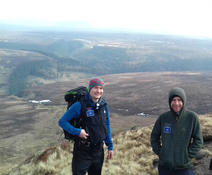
pixel 95 82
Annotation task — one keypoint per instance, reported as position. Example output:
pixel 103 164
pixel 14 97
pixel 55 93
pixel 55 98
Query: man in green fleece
pixel 176 136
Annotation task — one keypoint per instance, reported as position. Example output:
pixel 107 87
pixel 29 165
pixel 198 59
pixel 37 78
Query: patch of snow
pixel 40 102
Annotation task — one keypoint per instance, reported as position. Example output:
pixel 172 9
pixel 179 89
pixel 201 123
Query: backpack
pixel 72 96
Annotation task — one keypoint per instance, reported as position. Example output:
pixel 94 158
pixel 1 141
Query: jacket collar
pixel 90 103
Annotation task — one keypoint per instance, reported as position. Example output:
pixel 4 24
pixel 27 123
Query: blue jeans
pixel 165 171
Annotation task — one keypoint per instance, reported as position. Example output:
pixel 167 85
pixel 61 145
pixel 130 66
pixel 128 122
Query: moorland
pixel 28 129
pixel 138 71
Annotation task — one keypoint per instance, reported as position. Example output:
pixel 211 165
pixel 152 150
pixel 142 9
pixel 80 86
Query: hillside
pixel 27 129
pixel 133 93
pixel 133 155
pixel 29 59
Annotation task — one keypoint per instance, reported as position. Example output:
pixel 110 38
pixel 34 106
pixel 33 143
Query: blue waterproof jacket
pixel 74 112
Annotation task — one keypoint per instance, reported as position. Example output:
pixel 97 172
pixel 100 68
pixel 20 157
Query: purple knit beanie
pixel 95 82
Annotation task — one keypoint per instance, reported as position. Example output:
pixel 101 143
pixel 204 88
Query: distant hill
pixel 65 53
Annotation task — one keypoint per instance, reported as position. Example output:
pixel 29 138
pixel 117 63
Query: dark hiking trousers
pixel 90 161
pixel 164 171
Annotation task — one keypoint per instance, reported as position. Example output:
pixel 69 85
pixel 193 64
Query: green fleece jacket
pixel 176 137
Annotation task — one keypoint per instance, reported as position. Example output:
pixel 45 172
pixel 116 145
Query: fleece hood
pixel 177 91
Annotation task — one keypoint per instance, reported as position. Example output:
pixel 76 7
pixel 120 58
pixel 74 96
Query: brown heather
pixel 132 155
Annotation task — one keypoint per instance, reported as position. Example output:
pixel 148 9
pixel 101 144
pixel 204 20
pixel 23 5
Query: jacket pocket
pixel 181 158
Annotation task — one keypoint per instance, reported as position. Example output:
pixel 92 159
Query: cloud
pixel 164 16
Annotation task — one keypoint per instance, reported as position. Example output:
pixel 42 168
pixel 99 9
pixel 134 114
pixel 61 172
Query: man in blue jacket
pixel 88 154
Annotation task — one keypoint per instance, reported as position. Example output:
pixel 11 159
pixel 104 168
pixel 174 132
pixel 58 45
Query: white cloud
pixel 173 16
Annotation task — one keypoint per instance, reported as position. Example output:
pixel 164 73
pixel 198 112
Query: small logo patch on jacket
pixel 167 128
pixel 90 112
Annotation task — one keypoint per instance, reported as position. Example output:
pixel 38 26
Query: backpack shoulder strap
pixel 83 112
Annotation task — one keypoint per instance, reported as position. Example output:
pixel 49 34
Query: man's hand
pixel 109 154
pixel 83 135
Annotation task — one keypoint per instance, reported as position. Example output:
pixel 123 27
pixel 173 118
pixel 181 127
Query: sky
pixel 180 17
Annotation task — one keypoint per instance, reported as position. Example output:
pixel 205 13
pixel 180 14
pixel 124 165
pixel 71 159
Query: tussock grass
pixel 132 155
pixel 55 160
pixel 206 122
